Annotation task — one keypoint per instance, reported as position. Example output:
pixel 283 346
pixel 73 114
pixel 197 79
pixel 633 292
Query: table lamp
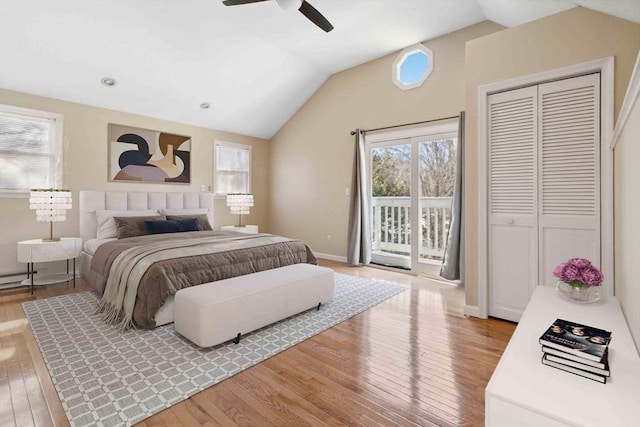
pixel 239 203
pixel 50 205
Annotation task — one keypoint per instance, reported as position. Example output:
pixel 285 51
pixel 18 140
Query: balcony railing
pixel 392 225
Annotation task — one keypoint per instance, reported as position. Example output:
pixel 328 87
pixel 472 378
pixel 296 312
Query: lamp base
pixel 50 239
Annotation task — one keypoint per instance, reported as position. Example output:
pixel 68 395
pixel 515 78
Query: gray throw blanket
pixel 144 271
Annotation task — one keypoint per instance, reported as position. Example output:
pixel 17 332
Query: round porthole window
pixel 412 67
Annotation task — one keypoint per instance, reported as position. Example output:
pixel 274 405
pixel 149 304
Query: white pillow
pixel 183 211
pixel 107 225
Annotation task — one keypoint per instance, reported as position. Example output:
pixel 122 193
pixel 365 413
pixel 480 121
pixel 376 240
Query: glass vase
pixel 582 294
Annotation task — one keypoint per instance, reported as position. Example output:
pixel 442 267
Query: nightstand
pixel 32 251
pixel 248 229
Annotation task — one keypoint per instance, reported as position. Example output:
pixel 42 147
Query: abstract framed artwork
pixel 148 156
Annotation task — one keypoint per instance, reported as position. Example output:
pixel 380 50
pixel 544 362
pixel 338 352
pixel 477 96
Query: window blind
pixel 232 170
pixel 30 154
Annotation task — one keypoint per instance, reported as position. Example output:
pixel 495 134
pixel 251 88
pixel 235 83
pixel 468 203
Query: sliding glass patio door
pixel 411 183
pixel 390 169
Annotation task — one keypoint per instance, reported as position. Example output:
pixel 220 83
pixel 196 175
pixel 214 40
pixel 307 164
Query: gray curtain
pixel 360 211
pixel 452 263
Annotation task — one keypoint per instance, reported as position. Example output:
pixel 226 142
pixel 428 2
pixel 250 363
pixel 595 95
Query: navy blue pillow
pixel 179 226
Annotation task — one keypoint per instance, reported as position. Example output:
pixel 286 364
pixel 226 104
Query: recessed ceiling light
pixel 108 81
pixel 205 105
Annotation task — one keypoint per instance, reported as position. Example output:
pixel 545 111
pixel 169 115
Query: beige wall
pixel 312 155
pixel 627 226
pixel 571 37
pixel 85 168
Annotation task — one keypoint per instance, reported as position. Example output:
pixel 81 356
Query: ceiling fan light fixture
pixel 289 4
pixel 302 6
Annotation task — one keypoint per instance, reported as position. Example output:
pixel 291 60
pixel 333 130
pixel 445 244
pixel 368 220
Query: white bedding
pixel 90 246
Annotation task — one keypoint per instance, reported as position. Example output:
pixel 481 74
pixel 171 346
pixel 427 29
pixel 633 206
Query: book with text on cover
pixel 595 377
pixel 604 364
pixel 581 340
pixel 604 372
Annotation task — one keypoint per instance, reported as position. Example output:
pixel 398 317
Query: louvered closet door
pixel 513 239
pixel 569 170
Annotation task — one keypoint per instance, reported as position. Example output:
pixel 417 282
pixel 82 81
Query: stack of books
pixel 580 349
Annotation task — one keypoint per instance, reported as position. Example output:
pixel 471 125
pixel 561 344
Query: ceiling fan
pixel 305 8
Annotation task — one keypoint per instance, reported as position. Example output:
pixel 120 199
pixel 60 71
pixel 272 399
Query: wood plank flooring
pixel 413 360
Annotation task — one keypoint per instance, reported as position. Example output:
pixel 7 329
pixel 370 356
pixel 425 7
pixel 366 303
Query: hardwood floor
pixel 413 360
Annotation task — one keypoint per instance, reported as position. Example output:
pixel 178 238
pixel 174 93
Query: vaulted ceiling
pixel 255 64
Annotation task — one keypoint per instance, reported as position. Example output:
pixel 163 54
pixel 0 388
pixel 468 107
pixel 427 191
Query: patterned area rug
pixel 105 378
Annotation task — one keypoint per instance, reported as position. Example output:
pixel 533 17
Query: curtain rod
pixel 407 124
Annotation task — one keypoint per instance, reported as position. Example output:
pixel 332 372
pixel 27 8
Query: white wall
pixel 627 220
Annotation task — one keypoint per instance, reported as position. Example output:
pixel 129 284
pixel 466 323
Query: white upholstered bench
pixel 212 313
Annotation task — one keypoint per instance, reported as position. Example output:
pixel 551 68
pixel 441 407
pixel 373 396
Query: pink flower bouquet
pixel 579 272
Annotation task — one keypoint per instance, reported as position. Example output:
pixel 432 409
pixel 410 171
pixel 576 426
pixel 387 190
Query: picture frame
pixel 148 156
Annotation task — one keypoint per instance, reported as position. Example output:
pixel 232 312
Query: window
pixel 412 67
pixel 232 172
pixel 30 150
pixel 411 176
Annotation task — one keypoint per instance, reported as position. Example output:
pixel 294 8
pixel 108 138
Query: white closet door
pixel 513 238
pixel 569 170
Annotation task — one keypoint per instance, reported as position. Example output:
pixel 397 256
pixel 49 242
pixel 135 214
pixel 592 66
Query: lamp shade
pixel 51 205
pixel 239 204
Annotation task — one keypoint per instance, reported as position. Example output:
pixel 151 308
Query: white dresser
pixel 523 392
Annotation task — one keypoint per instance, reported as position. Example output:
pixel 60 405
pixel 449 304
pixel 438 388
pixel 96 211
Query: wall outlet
pixel 329 238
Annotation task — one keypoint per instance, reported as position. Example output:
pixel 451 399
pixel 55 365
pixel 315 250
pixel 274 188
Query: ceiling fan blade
pixel 314 16
pixel 239 2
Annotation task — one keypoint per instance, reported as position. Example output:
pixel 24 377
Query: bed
pixel 143 272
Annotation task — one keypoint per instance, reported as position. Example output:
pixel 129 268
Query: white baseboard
pixel 11 285
pixel 331 257
pixel 472 310
pixel 13 278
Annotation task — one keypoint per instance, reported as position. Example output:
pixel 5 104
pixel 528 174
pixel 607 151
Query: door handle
pixel 511 222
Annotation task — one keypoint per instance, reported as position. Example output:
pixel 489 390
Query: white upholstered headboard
pixel 90 201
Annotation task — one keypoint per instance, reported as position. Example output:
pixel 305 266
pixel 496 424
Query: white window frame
pixel 56 145
pixel 404 54
pixel 412 136
pixel 236 146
